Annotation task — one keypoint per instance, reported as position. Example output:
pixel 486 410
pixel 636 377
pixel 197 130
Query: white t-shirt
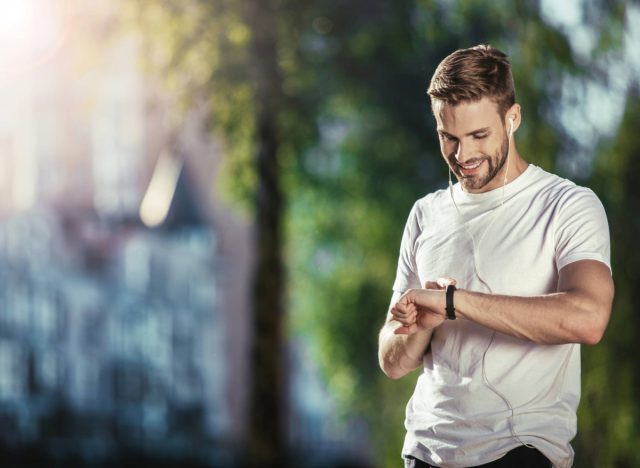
pixel 483 393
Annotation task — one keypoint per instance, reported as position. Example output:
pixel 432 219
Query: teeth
pixel 471 166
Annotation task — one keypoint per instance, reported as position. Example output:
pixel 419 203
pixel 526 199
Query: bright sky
pixel 600 106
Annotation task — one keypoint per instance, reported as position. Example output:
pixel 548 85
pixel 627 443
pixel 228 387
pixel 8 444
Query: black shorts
pixel 521 457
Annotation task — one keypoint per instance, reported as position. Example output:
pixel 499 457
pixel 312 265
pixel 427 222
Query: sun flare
pixel 30 32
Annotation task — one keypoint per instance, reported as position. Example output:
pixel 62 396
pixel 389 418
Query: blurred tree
pixel 226 54
pixel 269 388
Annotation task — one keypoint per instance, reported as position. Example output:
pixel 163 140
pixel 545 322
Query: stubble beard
pixel 477 182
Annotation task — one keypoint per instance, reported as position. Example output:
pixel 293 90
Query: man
pixel 500 279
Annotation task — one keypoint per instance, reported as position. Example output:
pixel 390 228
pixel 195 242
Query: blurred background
pixel 201 203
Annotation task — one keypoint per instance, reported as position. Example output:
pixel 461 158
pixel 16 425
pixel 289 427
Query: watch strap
pixel 450 309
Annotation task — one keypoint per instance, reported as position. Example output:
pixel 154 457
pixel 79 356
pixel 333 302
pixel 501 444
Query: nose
pixel 461 153
pixel 465 153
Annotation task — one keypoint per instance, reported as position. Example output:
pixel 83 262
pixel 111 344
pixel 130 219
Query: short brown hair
pixel 468 75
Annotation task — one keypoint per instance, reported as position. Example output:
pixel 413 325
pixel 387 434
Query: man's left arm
pixel 577 313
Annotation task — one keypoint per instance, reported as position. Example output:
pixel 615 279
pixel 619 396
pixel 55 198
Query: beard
pixel 494 165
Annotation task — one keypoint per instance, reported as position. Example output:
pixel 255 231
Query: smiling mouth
pixel 470 169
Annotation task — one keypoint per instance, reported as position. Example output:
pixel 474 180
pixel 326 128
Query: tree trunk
pixel 267 435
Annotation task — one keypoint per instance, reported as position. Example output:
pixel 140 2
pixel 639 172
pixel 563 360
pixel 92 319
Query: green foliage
pixel 377 153
pixel 200 49
pixel 607 17
pixel 608 429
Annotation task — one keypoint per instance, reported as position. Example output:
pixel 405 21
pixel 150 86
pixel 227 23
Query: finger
pixel 440 283
pixel 409 320
pixel 401 317
pixel 398 311
pixel 403 308
pixel 444 282
pixel 404 312
pixel 406 319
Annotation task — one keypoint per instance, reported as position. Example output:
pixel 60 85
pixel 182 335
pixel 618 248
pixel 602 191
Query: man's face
pixel 474 143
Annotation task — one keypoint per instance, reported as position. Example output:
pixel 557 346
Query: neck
pixel 515 167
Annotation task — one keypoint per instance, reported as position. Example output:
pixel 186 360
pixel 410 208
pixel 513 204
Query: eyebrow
pixel 474 132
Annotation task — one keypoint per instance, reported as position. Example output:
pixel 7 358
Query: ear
pixel 513 118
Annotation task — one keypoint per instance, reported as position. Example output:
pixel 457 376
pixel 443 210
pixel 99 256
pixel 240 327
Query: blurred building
pixel 122 339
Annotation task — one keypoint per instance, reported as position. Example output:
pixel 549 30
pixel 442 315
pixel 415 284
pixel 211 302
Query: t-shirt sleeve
pixel 407 272
pixel 581 229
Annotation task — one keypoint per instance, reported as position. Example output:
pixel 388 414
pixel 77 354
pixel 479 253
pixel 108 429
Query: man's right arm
pixel 400 354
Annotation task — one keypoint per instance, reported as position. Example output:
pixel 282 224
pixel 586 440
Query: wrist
pixel 460 301
pixel 417 343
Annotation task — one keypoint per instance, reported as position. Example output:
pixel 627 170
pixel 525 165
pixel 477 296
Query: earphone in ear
pixel 512 119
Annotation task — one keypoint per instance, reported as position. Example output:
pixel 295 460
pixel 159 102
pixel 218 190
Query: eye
pixel 480 136
pixel 447 137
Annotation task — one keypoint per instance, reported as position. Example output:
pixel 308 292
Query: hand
pixel 421 309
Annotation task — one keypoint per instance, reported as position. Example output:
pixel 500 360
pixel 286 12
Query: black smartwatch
pixel 451 311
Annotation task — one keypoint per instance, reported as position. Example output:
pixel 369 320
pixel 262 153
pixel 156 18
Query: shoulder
pixel 426 208
pixel 572 208
pixel 562 192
